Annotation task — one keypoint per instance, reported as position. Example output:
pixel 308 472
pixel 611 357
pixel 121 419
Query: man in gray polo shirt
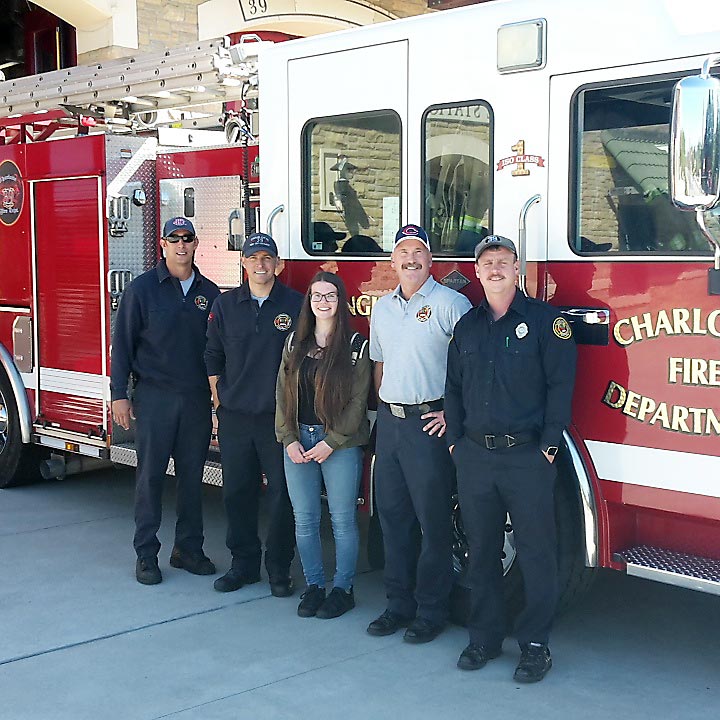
pixel 409 334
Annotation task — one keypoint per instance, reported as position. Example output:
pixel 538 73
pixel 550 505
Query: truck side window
pixel 621 174
pixel 351 183
pixel 457 177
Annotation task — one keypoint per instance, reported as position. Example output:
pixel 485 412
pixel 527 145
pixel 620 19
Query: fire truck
pixel 593 141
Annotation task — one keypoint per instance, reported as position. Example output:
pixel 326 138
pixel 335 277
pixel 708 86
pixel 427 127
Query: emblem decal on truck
pixel 521 159
pixel 11 193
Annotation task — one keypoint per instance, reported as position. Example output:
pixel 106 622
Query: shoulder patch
pixel 561 328
pixel 282 322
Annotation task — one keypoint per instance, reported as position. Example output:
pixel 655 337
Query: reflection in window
pixel 458 189
pixel 623 203
pixel 352 183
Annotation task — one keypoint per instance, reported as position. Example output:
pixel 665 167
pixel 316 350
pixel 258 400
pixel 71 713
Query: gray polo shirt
pixel 410 338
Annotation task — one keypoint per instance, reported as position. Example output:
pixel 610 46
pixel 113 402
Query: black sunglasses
pixel 185 238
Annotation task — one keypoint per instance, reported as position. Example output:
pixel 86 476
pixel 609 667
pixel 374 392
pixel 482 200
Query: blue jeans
pixel 341 473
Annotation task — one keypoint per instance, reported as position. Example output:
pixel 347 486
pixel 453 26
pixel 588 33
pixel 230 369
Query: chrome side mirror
pixel 695 143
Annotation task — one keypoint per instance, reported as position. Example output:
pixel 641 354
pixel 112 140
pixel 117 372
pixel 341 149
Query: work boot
pixel 147 571
pixel 535 663
pixel 475 656
pixel 282 585
pixel 387 624
pixel 234 579
pixel 196 563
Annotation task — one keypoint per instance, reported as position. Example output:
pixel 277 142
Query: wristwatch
pixel 552 450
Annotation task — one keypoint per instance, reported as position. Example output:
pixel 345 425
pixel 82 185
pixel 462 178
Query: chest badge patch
pixel 521 331
pixel 561 328
pixel 201 302
pixel 424 313
pixel 282 322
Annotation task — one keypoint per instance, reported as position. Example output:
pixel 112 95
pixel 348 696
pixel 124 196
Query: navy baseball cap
pixel 257 242
pixel 178 223
pixel 412 232
pixel 494 241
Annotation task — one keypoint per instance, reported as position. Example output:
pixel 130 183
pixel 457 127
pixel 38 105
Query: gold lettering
pixel 618 337
pixel 351 305
pixel 647 406
pixel 639 326
pixel 364 305
pixel 698 371
pixel 679 416
pixel 612 387
pixel 697 414
pixel 663 324
pixel 680 321
pixel 631 404
pixel 712 323
pixel 661 415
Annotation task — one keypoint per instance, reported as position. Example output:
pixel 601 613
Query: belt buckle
pixel 490 442
pixel 397 410
pixel 510 441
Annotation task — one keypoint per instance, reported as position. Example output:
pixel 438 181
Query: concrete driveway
pixel 79 638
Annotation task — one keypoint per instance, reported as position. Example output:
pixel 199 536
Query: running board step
pixel 672 568
pixel 125 454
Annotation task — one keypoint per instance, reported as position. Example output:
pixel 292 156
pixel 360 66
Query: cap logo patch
pixel 201 302
pixel 562 329
pixel 410 230
pixel 521 330
pixel 424 313
pixel 282 322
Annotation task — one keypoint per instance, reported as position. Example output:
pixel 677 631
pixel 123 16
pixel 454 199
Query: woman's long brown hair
pixel 333 379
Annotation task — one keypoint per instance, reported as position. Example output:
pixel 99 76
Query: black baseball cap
pixel 494 241
pixel 178 223
pixel 257 242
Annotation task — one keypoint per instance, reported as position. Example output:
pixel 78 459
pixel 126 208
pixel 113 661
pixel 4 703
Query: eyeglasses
pixel 185 238
pixel 327 297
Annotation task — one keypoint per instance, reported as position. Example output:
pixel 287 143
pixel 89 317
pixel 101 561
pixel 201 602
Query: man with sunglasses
pixel 159 341
pixel 246 333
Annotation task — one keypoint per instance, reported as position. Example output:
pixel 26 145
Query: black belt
pixel 402 411
pixel 494 442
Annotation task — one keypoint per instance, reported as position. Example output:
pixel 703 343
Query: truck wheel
pixel 17 465
pixel 574 579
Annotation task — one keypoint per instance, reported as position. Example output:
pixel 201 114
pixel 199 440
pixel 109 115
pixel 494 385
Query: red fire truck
pixel 521 118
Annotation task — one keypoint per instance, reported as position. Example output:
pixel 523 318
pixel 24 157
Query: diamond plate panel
pixel 673 562
pixel 214 199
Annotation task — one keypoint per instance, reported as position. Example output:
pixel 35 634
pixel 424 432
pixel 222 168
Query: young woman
pixel 321 420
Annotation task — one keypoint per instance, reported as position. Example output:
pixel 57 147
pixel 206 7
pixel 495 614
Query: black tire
pixel 574 579
pixel 19 464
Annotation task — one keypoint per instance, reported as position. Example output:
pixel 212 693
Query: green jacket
pixel 353 427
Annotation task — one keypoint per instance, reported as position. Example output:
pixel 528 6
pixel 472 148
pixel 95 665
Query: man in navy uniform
pixel 409 333
pixel 247 330
pixel 159 340
pixel 510 376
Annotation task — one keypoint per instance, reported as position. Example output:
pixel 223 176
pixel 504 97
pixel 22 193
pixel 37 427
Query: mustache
pixel 411 266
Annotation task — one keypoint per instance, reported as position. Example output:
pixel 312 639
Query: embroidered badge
pixel 283 322
pixel 201 302
pixel 521 331
pixel 211 317
pixel 562 329
pixel 424 313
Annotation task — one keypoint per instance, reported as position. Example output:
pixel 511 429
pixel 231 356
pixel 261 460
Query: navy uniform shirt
pixel 513 375
pixel 160 333
pixel 245 343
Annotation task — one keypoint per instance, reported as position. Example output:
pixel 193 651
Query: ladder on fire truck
pixel 128 91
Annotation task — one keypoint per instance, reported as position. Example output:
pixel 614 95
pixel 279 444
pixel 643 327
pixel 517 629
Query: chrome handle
pixel 522 240
pixel 271 217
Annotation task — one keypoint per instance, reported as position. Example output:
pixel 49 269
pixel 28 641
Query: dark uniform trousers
pixel 414 477
pixel 177 425
pixel 248 448
pixel 491 483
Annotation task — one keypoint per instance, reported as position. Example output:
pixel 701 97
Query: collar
pixel 276 292
pixel 425 289
pixel 518 304
pixel 163 272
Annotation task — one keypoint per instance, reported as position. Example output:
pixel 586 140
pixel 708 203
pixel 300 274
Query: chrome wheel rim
pixel 3 422
pixel 460 545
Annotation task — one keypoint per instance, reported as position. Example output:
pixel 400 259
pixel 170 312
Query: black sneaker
pixel 387 624
pixel 338 602
pixel 535 663
pixel 234 579
pixel 147 571
pixel 474 656
pixel 281 585
pixel 196 563
pixel 310 601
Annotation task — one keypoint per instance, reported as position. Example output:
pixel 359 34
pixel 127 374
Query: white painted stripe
pixel 8 308
pixel 650 467
pixel 69 382
pixel 28 380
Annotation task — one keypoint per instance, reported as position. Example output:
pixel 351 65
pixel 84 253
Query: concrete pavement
pixel 79 638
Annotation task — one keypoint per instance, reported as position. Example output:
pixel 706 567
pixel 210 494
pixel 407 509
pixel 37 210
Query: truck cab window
pixel 351 174
pixel 621 174
pixel 457 183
